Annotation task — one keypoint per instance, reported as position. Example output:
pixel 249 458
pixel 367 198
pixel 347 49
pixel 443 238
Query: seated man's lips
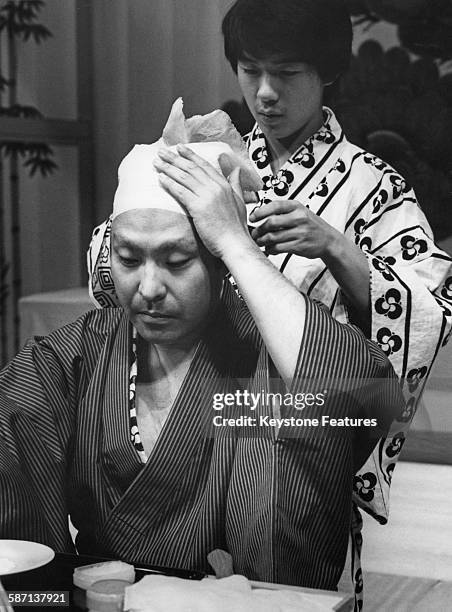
pixel 155 315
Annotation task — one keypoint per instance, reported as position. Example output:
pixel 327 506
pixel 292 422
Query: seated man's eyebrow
pixel 122 241
pixel 173 244
pixel 181 244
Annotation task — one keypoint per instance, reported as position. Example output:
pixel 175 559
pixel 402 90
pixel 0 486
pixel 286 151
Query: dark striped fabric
pixel 281 504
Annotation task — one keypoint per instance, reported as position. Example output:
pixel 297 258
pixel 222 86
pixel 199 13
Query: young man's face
pixel 167 283
pixel 284 97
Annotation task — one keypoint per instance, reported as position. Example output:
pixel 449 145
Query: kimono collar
pixel 306 157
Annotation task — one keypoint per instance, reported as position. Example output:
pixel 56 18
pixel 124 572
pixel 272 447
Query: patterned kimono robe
pixel 410 277
pixel 279 502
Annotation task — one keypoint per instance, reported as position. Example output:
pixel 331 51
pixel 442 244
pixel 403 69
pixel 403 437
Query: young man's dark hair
pixel 315 32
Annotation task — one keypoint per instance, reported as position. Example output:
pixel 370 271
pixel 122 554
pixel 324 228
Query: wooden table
pixel 392 593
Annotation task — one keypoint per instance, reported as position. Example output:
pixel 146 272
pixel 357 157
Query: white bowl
pixel 24 555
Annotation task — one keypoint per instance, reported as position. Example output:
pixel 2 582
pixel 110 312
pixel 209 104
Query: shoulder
pixel 363 165
pixel 96 321
pixel 364 175
pixel 378 196
pixel 233 336
pixel 84 336
pixel 236 316
pixel 369 175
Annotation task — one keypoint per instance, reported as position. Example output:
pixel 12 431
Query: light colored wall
pixel 49 207
pixel 147 53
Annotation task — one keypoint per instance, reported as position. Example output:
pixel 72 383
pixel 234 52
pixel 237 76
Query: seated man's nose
pixel 151 287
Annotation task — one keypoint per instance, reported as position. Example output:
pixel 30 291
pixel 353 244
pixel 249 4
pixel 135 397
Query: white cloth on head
pixel 138 180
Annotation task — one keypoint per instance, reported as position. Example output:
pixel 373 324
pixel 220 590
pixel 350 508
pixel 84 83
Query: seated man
pixel 116 420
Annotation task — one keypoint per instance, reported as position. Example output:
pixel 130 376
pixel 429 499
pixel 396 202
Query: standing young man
pixel 340 223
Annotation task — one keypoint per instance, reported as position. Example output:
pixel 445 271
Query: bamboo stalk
pixel 3 273
pixel 16 266
pixel 3 283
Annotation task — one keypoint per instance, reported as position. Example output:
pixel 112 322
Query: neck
pixel 157 361
pixel 282 149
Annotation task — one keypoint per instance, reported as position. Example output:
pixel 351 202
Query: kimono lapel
pixel 312 175
pixel 305 173
pixel 105 421
pixel 179 467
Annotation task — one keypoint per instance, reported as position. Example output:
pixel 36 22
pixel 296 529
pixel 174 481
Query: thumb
pixel 232 173
pixel 226 165
pixel 234 181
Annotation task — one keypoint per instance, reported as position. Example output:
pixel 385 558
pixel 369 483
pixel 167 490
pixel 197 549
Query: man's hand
pixel 290 227
pixel 277 308
pixel 214 202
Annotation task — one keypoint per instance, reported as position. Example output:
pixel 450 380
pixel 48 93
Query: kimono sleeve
pixel 35 433
pixel 295 508
pixel 411 312
pixel 355 378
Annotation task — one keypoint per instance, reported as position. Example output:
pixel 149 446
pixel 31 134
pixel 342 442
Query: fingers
pixel 277 237
pixel 234 181
pixel 173 171
pixel 226 164
pixel 188 169
pixel 291 246
pixel 296 222
pixel 250 197
pixel 276 207
pixel 229 170
pixel 181 194
pixel 189 159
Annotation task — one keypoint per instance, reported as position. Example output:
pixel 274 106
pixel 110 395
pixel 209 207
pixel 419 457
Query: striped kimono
pixel 279 502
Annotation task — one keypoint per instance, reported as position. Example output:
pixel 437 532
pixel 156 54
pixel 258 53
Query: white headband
pixel 138 182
